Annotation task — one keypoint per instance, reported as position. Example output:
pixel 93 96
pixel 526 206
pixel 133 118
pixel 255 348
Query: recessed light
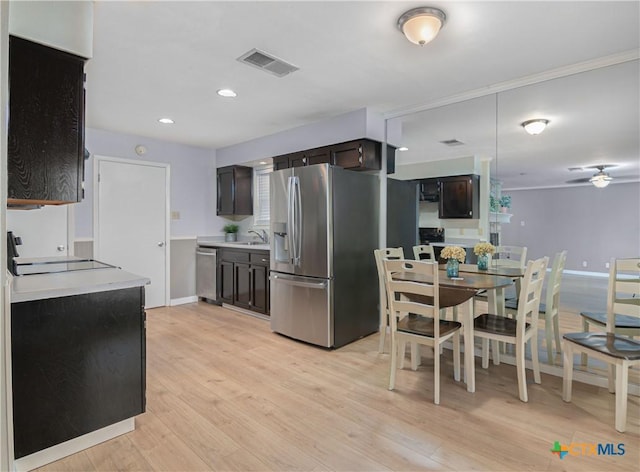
pixel 403 148
pixel 166 121
pixel 227 93
pixel 263 162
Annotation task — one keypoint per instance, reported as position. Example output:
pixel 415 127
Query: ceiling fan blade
pixel 579 181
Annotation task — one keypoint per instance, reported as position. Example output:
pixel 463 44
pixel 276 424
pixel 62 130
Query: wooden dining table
pixel 462 289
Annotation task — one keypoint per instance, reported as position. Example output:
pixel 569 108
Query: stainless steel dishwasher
pixel 206 259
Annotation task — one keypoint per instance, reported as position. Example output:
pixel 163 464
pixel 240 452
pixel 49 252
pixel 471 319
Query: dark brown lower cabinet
pixel 244 279
pixel 78 365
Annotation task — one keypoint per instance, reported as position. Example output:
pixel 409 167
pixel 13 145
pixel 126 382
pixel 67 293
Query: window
pixel 261 196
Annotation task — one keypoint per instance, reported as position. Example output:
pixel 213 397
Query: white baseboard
pixel 54 453
pixel 587 274
pixel 183 300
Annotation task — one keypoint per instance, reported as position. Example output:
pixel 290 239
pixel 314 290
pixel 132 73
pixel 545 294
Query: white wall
pixel 593 224
pixel 358 124
pixel 193 181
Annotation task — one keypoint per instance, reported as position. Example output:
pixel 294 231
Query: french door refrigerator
pixel 324 228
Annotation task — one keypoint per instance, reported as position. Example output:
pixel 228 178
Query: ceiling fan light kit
pixel 535 126
pixel 421 25
pixel 601 179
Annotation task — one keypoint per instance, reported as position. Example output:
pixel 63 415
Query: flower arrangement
pixel 454 252
pixel 482 249
pixel 505 201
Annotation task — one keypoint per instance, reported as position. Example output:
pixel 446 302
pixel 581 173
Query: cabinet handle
pixel 360 160
pixel 304 161
pixel 360 150
pixel 265 260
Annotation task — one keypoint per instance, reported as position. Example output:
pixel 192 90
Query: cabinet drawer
pixel 234 256
pixel 261 258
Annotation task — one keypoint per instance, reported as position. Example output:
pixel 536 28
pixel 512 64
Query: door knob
pixel 60 248
pixel 160 243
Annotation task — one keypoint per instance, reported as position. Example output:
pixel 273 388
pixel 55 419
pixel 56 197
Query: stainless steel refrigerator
pixel 324 228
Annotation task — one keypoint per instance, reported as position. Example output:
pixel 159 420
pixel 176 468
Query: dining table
pixel 462 289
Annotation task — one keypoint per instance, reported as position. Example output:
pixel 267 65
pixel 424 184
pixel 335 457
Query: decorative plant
pixel 454 252
pixel 482 249
pixel 230 228
pixel 494 204
pixel 505 201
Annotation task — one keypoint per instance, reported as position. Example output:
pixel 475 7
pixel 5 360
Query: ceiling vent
pixel 452 142
pixel 267 63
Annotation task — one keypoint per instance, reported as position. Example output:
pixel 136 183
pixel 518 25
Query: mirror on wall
pixel 593 120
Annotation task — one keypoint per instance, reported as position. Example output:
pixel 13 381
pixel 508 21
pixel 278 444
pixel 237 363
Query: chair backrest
pixel 380 254
pixel 623 296
pixel 510 256
pixel 424 252
pixel 552 299
pixel 529 301
pixel 407 296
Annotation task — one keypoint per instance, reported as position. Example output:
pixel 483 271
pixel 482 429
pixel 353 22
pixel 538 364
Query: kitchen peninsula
pixel 77 356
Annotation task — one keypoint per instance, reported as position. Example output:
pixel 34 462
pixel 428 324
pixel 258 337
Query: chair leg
pixel 456 356
pixel 455 313
pixel 556 332
pixel 622 385
pixel 415 356
pixel 393 365
pixel 612 376
pixel 496 346
pixel 436 376
pixel 535 360
pixel 485 353
pixel 548 336
pixel 567 375
pixel 383 332
pixel 583 356
pixel 520 367
pixel 402 347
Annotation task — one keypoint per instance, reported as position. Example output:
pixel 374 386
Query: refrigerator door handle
pixel 298 221
pixel 299 283
pixel 290 219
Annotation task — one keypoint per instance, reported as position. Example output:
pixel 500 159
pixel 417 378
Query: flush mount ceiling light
pixel 601 179
pixel 403 148
pixel 422 24
pixel 166 121
pixel 228 93
pixel 536 126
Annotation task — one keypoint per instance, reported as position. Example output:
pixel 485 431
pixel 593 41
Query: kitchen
pixel 193 193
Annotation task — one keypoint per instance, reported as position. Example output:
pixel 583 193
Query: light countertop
pixel 217 241
pixel 61 284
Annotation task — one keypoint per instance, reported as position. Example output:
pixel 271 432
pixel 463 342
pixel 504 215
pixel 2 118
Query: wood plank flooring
pixel 225 393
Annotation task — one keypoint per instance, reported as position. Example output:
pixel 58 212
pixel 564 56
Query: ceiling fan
pixel 601 178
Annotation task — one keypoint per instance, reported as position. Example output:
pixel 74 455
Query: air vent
pixel 452 142
pixel 268 63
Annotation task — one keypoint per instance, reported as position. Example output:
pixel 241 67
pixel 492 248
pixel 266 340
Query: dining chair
pixel 510 256
pixel 518 331
pixel 380 254
pixel 549 309
pixel 424 252
pixel 415 317
pixel 617 351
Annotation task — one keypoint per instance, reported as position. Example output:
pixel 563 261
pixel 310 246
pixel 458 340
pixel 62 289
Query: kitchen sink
pixel 248 243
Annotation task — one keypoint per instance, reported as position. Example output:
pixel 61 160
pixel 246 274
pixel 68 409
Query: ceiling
pixel 157 59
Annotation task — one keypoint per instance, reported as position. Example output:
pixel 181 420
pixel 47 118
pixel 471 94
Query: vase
pixel 230 237
pixel 452 267
pixel 483 262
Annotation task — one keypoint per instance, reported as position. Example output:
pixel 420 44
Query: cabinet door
pixel 46 124
pixel 318 156
pixel 242 279
pixel 280 162
pixel 259 288
pixel 242 191
pixel 458 197
pixel 357 155
pixel 297 159
pixel 225 191
pixel 225 278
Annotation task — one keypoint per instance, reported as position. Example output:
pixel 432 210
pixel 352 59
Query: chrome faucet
pixel 263 236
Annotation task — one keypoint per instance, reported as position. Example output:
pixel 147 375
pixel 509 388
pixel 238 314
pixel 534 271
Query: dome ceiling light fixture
pixel 536 126
pixel 601 179
pixel 421 25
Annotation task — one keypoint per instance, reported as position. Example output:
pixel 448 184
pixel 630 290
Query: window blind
pixel 261 215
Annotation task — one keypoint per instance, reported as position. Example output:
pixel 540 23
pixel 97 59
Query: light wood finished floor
pixel 225 393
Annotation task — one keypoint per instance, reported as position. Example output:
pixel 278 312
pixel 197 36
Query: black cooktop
pixel 51 267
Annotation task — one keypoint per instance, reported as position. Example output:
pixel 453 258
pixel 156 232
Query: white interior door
pixel 44 232
pixel 131 221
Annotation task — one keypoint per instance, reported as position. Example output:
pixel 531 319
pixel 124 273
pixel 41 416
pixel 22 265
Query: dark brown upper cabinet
pixel 46 125
pixel 234 191
pixel 459 197
pixel 355 155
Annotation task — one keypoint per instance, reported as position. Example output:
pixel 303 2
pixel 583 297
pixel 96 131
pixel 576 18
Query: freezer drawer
pixel 301 308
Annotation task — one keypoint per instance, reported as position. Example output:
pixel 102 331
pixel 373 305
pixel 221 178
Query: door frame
pixel 167 220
